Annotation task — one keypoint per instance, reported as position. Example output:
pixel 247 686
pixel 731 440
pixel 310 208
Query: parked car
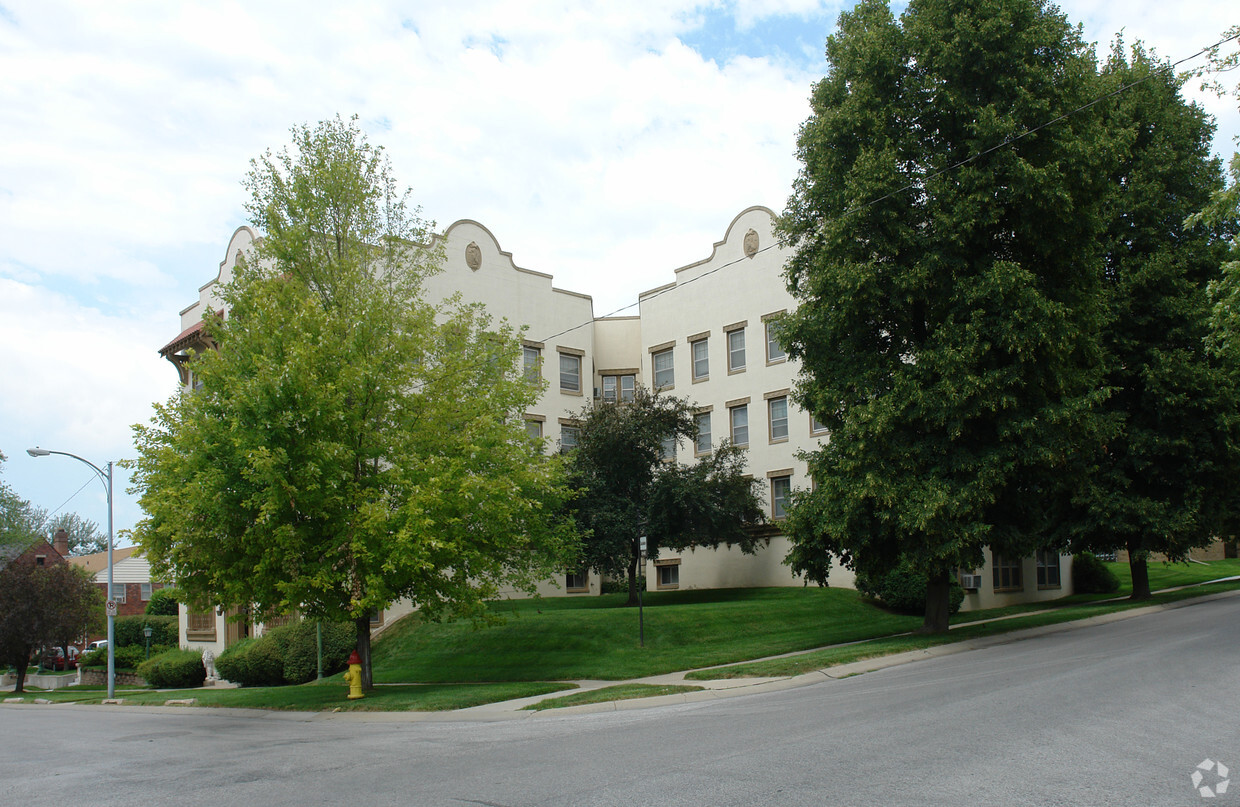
pixel 54 658
pixel 96 645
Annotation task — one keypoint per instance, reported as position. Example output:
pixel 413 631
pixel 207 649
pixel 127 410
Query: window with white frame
pixel 570 373
pixel 1048 568
pixel 667 449
pixel 664 371
pixel 777 409
pixel 816 426
pixel 534 428
pixel 736 350
pixel 619 388
pixel 702 444
pixel 774 351
pixel 145 591
pixel 118 592
pixel 781 490
pixel 701 359
pixel 569 436
pixel 531 360
pixel 739 416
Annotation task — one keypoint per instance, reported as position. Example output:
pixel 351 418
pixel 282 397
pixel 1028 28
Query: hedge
pixel 903 589
pixel 164 630
pixel 174 669
pixel 286 655
pixel 1091 576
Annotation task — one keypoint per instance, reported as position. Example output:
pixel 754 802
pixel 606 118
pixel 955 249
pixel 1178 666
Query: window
pixel 40 560
pixel 568 438
pixel 145 591
pixel 200 625
pixel 774 351
pixel 376 617
pixel 702 445
pixel 668 572
pixel 701 360
pixel 1048 568
pixel 531 362
pixel 664 372
pixel 777 408
pixel 781 489
pixel 667 451
pixel 570 373
pixel 619 387
pixel 118 592
pixel 533 428
pixel 736 350
pixel 740 424
pixel 1006 573
pixel 577 582
pixel 815 426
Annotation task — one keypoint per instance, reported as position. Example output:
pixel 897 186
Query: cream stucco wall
pixel 737 287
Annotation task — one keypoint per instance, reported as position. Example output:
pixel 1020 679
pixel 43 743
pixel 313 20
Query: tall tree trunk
pixel 1140 572
pixel 363 649
pixel 938 602
pixel 633 561
pixel 21 674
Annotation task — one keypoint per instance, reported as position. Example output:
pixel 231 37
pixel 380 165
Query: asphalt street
pixel 1121 714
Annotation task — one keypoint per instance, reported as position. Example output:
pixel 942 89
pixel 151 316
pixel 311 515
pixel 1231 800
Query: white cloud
pixel 587 136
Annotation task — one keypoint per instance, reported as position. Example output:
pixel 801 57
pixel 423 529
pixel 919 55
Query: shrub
pixel 903 589
pixel 287 655
pixel 163 602
pixel 299 642
pixel 128 657
pixel 174 669
pixel 252 663
pixel 164 631
pixel 1091 576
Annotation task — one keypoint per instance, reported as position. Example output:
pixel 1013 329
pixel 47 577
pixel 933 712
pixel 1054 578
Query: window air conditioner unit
pixel 970 582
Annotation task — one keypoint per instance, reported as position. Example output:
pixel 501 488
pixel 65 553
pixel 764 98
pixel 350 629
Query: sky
pixel 604 143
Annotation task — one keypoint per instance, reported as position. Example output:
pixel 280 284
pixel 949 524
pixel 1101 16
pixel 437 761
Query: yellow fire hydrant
pixel 354 677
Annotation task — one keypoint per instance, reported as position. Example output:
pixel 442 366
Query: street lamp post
pixel 146 631
pixel 106 478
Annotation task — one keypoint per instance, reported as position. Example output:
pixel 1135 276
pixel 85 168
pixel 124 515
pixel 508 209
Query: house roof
pixel 99 561
pixel 186 338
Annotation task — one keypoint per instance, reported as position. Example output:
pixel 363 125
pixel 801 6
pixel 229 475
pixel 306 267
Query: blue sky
pixel 603 143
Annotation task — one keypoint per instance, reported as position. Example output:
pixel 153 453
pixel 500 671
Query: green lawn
pixel 326 696
pixel 597 637
pixel 455 665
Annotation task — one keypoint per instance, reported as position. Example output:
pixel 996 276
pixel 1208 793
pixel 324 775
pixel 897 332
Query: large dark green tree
pixel 947 272
pixel 1164 480
pixel 351 443
pixel 628 490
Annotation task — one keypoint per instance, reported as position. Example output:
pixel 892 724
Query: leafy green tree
pixel 42 606
pixel 85 536
pixel 19 521
pixel 351 443
pixel 948 283
pixel 626 489
pixel 163 602
pixel 1163 481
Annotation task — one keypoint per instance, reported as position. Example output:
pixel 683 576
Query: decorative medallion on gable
pixel 473 256
pixel 751 243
